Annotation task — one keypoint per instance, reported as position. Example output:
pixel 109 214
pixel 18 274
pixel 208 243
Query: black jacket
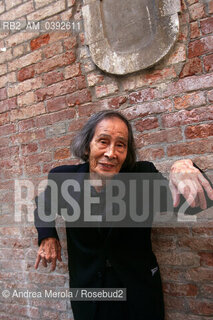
pixel 127 249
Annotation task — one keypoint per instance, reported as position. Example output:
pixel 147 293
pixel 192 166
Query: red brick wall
pixel 48 88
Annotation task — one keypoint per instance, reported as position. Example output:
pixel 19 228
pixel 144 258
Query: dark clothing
pixel 127 250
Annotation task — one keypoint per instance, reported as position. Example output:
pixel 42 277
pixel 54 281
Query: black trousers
pixel 111 310
pixel 150 308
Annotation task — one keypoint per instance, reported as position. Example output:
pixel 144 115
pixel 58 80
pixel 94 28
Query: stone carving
pixel 126 36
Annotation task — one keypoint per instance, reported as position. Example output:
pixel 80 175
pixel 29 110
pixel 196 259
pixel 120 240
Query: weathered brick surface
pixel 49 86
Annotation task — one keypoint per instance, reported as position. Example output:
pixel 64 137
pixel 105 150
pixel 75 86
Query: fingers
pixel 206 185
pixel 175 194
pixel 49 251
pixel 38 259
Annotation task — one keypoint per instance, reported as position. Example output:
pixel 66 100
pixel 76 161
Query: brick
pixel 53 143
pixel 48 11
pixel 196 82
pixel 81 82
pixel 25 137
pixel 26 99
pixel 207 290
pixel 12 3
pixel 53 50
pixel 183 5
pixel 201 307
pixel 57 89
pixel 25 125
pixel 86 110
pixel 145 79
pixel 191 67
pixel 197 244
pixel 184 18
pixel 190 100
pixel 56 104
pixel 88 66
pixel 116 102
pixel 208 63
pixel 36 158
pixel 26 73
pixel 183 33
pixel 180 290
pixel 39 41
pixel 163 136
pixel 206 259
pixel 42 3
pixel 183 149
pixel 146 124
pixel 144 95
pixel 52 77
pixel 23 311
pixel 7 130
pixel 151 153
pixel 62 154
pixel 105 90
pixel 181 316
pixel 6 56
pixel 210 95
pixel 8 104
pixel 203 229
pixel 76 124
pixel 25 86
pixel 24 61
pixel 29 148
pixel 17 38
pixel 56 36
pixel 9 152
pixel 210 6
pixel 187 117
pixel 178 55
pixel 194 30
pixel 79 97
pixel 49 119
pixel 2 8
pixel 199 131
pixel 200 47
pixel 197 11
pixel 3 94
pixel 67 15
pixel 207 25
pixel 27 112
pixel 72 71
pixel 174 303
pixel 148 108
pixel 70 3
pixel 162 244
pixel 3 69
pixel 18 12
pixel 55 62
pixel 178 259
pixel 82 38
pixel 3 143
pixel 93 79
pixel 56 129
pixel 190 2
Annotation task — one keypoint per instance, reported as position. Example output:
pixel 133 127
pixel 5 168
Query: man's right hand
pixel 49 252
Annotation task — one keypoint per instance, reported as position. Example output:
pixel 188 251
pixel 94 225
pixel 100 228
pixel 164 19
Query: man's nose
pixel 110 151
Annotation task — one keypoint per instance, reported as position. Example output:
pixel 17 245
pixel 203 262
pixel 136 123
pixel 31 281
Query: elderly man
pixel 116 257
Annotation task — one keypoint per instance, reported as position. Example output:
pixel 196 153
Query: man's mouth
pixel 107 165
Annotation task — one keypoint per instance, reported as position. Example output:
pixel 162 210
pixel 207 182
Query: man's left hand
pixel 187 180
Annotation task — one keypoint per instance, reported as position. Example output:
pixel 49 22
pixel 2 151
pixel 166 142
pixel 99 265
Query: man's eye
pixel 121 145
pixel 103 141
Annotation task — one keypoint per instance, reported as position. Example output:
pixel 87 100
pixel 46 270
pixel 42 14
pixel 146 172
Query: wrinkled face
pixel 108 148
